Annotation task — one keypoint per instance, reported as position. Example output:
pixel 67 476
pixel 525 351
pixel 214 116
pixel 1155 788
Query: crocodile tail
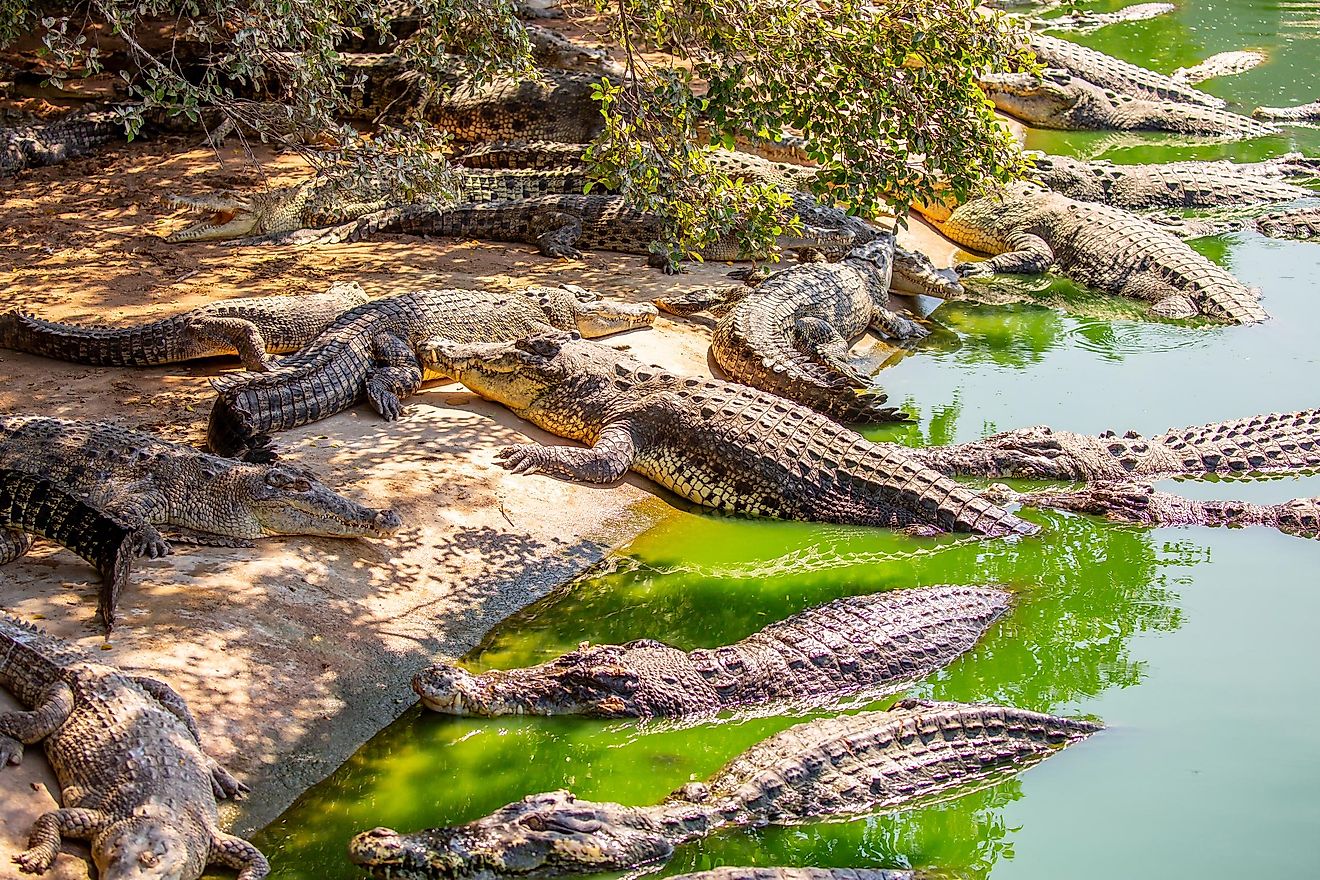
pixel 1299 224
pixel 98 346
pixel 229 433
pixel 1299 517
pixel 39 507
pixel 1270 443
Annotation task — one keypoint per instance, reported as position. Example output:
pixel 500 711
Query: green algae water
pixel 1197 647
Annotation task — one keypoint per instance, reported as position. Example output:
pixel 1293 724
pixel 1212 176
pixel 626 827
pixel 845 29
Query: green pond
pixel 1197 647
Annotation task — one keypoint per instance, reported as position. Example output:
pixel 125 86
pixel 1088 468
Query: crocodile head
pixel 570 307
pixel 148 846
pixel 225 218
pixel 517 374
pixel 1038 452
pixel 1033 99
pixel 544 835
pixel 256 500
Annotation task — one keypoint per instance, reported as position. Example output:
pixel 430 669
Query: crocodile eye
pixel 300 486
pixel 149 859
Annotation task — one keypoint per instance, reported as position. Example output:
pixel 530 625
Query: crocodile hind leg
pixel 819 342
pixel 605 462
pixel 556 232
pixel 19 728
pixel 397 375
pixel 13 544
pixel 47 831
pixel 235 852
pixel 242 334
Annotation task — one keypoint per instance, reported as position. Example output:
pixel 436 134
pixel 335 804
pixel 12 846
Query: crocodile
pixel 146 481
pixel 552 49
pixel 1174 184
pixel 559 225
pixel 1273 443
pixel 1058 99
pixel 719 444
pixel 1294 223
pixel 250 328
pixel 133 777
pixel 1084 21
pixel 371 352
pixel 1301 113
pixel 798 874
pixel 49 143
pixel 1141 504
pixel 327 201
pixel 790 334
pixel 1222 64
pixel 855 646
pixel 838 767
pixel 1028 230
pixel 1108 72
pixel 31 505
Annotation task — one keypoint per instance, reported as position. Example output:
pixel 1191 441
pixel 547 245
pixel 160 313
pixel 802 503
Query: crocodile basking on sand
pixel 719 444
pixel 1029 230
pixel 1273 443
pixel 1116 75
pixel 1176 184
pixel 1141 504
pixel 1058 99
pixel 50 143
pixel 30 505
pixel 856 646
pixel 145 481
pixel 251 328
pixel 790 334
pixel 133 778
pixel 838 767
pixel 372 353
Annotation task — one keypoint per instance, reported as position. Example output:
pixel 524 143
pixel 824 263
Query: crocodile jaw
pixel 226 219
pixel 604 318
pixel 283 500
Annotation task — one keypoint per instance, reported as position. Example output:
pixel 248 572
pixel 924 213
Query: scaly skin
pixel 249 328
pixel 1173 184
pixel 1119 76
pixel 30 505
pixel 371 353
pixel 1140 504
pixel 1221 64
pixel 1083 21
pixel 51 143
pixel 798 874
pixel 831 767
pixel 1301 113
pixel 862 645
pixel 1274 443
pixel 1297 223
pixel 133 777
pixel 1029 230
pixel 1056 99
pixel 719 444
pixel 144 482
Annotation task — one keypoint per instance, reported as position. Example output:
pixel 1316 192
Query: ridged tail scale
pixel 1271 442
pixel 138 346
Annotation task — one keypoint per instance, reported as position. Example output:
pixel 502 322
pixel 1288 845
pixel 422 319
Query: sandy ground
pixel 295 652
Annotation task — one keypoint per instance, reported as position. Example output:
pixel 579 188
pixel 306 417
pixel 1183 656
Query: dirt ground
pixel 295 652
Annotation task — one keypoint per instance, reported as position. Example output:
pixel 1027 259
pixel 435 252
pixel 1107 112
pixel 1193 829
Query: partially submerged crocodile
pixel 798 874
pixel 832 767
pixel 50 143
pixel 145 481
pixel 1029 230
pixel 1141 504
pixel 373 352
pixel 719 444
pixel 250 328
pixel 855 646
pixel 31 505
pixel 1116 75
pixel 564 225
pixel 1301 113
pixel 1058 99
pixel 133 778
pixel 1085 20
pixel 1229 63
pixel 1273 443
pixel 1175 184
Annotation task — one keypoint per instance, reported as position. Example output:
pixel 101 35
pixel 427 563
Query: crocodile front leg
pixel 240 333
pixel 820 343
pixel 235 852
pixel 47 831
pixel 19 728
pixel 13 544
pixel 397 375
pixel 606 461
pixel 1027 255
pixel 561 232
pixel 894 325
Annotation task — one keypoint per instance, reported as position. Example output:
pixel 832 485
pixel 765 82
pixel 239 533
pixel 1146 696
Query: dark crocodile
pixel 829 768
pixel 1057 99
pixel 133 778
pixel 249 328
pixel 1301 113
pixel 30 505
pixel 720 444
pixel 855 646
pixel 145 481
pixel 50 143
pixel 1141 504
pixel 1274 443
pixel 1175 184
pixel 564 225
pixel 790 334
pixel 1116 75
pixel 371 353
pixel 1029 230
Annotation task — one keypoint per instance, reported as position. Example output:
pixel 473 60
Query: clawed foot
pixel 973 270
pixel 150 543
pixel 904 329
pixel 386 403
pixel 225 785
pixel 11 751
pixel 563 250
pixel 36 860
pixel 523 459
